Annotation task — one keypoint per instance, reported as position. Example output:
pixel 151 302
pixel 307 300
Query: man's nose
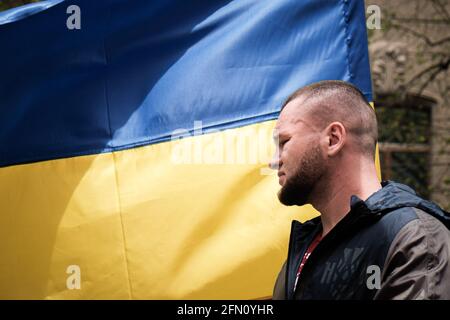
pixel 275 162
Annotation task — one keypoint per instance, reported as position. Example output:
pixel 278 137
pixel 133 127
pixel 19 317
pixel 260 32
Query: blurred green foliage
pixel 403 125
pixel 8 4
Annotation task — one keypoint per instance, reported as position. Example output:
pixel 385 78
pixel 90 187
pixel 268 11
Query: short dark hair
pixel 334 100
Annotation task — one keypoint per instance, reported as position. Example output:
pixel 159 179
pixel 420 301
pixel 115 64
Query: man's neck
pixel 333 201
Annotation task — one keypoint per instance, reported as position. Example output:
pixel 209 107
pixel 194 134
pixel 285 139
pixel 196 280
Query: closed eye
pixel 283 142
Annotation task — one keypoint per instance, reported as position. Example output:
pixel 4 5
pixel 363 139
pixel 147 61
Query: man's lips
pixel 280 178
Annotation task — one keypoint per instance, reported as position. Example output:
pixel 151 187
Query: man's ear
pixel 335 137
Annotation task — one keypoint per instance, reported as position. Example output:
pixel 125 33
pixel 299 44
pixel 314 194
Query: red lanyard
pixel 308 252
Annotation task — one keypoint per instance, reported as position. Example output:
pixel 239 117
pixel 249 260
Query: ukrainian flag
pixel 134 139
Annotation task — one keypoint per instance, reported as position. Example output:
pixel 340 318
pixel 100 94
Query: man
pixel 372 240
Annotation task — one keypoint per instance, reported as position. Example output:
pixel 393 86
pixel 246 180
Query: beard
pixel 297 189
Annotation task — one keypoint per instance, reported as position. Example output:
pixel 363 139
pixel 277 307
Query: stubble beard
pixel 298 188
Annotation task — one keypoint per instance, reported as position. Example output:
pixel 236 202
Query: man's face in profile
pixel 299 158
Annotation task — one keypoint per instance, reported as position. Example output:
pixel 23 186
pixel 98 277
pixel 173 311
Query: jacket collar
pixel 394 195
pixel 391 196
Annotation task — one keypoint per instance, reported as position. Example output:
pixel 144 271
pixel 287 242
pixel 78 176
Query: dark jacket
pixel 394 245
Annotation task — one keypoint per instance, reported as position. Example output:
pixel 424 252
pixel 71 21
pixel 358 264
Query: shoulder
pixel 421 237
pixel 397 224
pixel 424 237
pixel 424 231
pixel 417 265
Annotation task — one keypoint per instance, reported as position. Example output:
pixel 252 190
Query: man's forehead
pixel 295 107
pixel 295 116
pixel 293 112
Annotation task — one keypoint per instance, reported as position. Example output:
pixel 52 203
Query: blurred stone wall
pixel 410 57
